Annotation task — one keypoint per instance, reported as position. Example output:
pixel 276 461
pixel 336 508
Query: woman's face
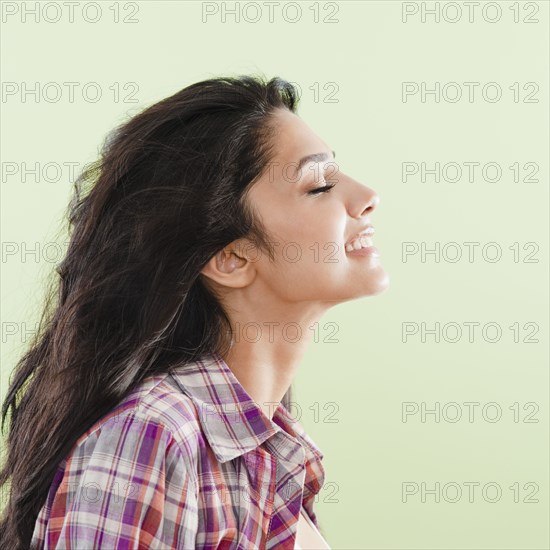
pixel 310 230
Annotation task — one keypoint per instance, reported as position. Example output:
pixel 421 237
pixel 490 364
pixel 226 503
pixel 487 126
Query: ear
pixel 230 268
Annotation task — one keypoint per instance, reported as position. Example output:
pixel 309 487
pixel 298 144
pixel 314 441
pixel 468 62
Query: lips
pixel 367 232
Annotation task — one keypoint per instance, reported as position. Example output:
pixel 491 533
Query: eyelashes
pixel 324 189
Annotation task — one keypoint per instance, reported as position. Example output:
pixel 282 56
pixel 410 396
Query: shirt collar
pixel 232 422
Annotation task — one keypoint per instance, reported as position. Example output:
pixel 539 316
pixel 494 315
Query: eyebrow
pixel 315 157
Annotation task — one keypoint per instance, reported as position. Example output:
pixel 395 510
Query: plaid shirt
pixel 186 460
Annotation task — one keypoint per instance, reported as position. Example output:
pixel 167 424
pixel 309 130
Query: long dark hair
pixel 166 193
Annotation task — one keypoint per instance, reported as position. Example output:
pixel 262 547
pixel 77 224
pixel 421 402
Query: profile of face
pixel 309 230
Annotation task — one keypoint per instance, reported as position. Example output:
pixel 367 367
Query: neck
pixel 265 357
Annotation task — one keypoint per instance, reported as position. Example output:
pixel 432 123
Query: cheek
pixel 313 228
pixel 325 232
pixel 320 241
pixel 311 263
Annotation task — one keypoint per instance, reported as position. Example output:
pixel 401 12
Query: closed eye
pixel 323 189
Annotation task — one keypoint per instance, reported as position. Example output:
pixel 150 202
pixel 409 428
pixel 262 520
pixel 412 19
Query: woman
pixel 152 410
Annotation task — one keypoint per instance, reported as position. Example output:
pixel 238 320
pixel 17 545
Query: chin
pixel 378 286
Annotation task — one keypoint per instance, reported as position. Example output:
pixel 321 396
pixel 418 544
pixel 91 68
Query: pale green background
pixel 369 372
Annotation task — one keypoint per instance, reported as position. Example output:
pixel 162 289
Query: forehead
pixel 294 138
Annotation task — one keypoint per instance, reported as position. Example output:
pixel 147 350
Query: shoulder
pixel 159 414
pixel 130 480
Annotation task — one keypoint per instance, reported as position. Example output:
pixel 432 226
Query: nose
pixel 368 201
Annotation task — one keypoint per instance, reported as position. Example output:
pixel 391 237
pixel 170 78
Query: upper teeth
pixel 357 243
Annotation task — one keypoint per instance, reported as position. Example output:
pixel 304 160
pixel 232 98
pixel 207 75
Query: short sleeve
pixel 127 486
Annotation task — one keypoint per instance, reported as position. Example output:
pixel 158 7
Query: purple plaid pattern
pixel 187 460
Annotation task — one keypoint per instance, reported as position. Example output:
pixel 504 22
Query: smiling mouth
pixel 358 240
pixel 361 241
